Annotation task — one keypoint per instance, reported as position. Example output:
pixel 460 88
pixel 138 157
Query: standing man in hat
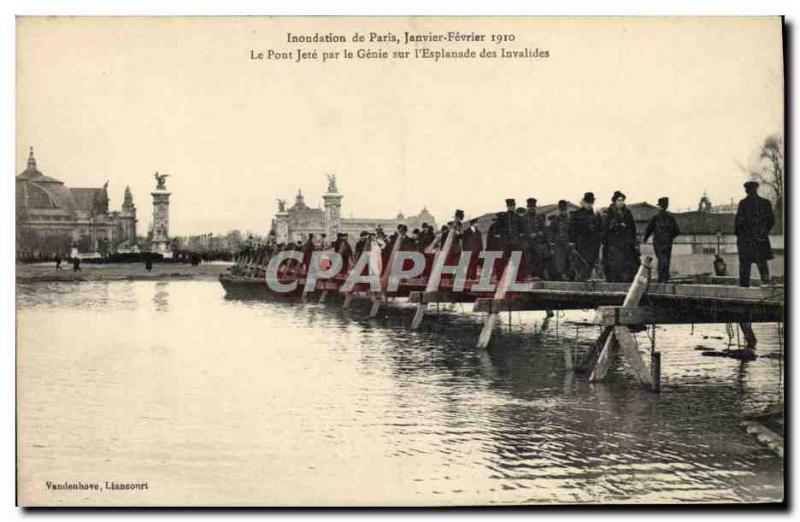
pixel 509 232
pixel 426 237
pixel 585 232
pixel 472 241
pixel 537 249
pixel 558 237
pixel 620 245
pixel 754 220
pixel 664 229
pixel 361 244
pixel 343 248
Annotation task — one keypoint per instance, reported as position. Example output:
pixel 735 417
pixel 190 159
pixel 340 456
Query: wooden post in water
pixel 749 336
pixel 376 300
pixel 435 277
pixel 623 336
pixel 657 372
pixel 348 298
pixel 499 293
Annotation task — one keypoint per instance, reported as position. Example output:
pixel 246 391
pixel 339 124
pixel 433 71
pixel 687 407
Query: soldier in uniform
pixel 620 245
pixel 754 220
pixel 664 229
pixel 511 227
pixel 558 238
pixel 585 232
pixel 537 249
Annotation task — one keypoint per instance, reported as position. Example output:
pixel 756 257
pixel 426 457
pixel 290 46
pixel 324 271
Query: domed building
pixel 55 219
pixel 298 221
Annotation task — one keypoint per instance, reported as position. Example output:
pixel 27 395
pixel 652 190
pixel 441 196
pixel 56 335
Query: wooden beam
pixel 629 348
pixel 719 313
pixel 623 336
pixel 435 277
pixel 509 273
pixel 441 297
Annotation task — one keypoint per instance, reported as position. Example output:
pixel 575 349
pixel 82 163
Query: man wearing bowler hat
pixel 754 220
pixel 585 232
pixel 664 229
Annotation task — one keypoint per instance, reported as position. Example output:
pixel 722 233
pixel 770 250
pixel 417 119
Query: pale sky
pixel 651 107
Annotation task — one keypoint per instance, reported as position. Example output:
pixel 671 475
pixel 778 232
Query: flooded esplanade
pixel 216 400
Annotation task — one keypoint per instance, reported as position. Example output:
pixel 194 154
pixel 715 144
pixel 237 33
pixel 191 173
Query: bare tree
pixel 769 169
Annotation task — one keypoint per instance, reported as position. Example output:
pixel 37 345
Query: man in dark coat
pixel 558 238
pixel 511 229
pixel 426 237
pixel 664 229
pixel 537 249
pixel 494 236
pixel 308 250
pixel 346 252
pixel 472 241
pixel 361 244
pixel 585 232
pixel 754 220
pixel 620 245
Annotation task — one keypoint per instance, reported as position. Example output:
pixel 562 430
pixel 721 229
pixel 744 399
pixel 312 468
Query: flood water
pixel 212 401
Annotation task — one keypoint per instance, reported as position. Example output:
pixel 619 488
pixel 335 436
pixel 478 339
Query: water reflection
pixel 347 409
pixel 161 297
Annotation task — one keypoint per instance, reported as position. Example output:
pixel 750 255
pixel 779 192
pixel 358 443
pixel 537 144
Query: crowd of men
pixel 567 246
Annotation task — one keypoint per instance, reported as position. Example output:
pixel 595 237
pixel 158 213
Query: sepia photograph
pixel 410 261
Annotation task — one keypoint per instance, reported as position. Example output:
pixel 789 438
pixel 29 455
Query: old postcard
pixel 417 261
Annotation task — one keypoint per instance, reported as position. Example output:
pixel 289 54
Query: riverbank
pixel 46 272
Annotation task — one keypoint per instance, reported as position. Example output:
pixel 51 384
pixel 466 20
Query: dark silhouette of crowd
pixel 568 245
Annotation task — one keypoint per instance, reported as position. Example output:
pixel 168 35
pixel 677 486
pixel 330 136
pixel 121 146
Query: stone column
pixel 160 241
pixel 333 214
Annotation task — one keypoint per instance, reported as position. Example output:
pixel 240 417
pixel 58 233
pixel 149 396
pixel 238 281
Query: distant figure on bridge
pixel 664 230
pixel 308 249
pixel 76 264
pixel 754 220
pixel 58 262
pixel 585 232
pixel 620 245
pixel 148 264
